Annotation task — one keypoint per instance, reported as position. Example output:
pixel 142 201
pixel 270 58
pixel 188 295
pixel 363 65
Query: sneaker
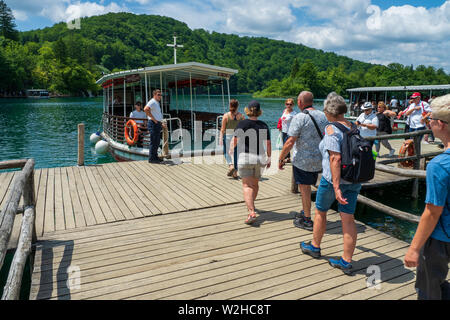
pixel 341 264
pixel 391 153
pixel 299 214
pixel 303 222
pixel 309 249
pixel 307 224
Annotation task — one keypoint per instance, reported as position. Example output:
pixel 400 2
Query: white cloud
pixel 88 9
pixel 20 15
pixel 63 10
pixel 405 34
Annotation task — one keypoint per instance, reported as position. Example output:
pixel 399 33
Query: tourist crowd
pixel 327 142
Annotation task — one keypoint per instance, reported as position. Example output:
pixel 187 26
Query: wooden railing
pixel 23 185
pixel 418 172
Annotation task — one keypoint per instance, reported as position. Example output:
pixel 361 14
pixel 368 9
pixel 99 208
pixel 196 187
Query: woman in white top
pixel 286 118
pixel 367 121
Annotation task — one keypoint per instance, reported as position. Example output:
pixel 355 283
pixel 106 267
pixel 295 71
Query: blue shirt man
pixel 438 187
pixel 430 248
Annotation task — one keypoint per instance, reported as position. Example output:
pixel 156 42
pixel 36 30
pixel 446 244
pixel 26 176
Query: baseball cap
pixel 254 105
pixel 367 106
pixel 415 95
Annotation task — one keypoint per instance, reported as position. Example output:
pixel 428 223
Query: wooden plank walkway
pixel 74 197
pixel 212 254
pixel 116 222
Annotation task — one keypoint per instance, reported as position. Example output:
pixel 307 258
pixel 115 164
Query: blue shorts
pixel 304 177
pixel 325 196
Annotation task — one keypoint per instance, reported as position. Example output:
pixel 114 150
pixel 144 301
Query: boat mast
pixel 175 46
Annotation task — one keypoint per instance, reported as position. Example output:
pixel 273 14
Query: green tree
pixel 7 25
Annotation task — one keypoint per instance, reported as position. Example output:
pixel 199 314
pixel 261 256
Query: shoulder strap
pixel 315 123
pixel 341 126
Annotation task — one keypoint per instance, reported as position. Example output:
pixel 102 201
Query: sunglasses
pixel 438 120
pixel 289 104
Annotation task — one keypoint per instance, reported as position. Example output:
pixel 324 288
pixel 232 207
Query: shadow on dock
pixel 62 275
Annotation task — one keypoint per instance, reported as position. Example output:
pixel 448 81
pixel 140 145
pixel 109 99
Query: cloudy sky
pixel 409 32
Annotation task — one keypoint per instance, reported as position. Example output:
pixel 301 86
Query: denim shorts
pixel 325 196
pixel 305 177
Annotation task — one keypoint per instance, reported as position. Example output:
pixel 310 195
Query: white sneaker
pixel 391 153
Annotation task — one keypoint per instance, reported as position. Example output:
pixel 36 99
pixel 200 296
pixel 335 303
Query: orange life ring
pixel 131 140
pixel 407 150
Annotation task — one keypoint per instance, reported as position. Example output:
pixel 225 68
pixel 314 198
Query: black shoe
pixel 157 161
pixel 303 222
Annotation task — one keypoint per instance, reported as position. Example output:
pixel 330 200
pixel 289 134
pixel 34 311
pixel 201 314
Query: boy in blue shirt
pixel 430 248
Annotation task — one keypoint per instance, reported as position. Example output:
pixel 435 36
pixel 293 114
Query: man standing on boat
pixel 430 248
pixel 305 133
pixel 155 117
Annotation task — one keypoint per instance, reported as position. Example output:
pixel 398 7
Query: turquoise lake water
pixel 46 130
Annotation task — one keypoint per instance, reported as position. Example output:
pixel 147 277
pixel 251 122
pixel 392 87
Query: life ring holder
pixel 407 150
pixel 131 125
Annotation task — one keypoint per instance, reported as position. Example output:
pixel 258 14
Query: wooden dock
pixel 143 231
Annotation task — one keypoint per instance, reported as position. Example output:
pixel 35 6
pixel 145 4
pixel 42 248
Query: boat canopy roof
pixel 180 72
pixel 402 88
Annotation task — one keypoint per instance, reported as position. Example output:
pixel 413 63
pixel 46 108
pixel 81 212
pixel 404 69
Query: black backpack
pixel 357 163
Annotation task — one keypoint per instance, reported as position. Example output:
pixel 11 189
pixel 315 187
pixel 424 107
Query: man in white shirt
pixel 367 121
pixel 394 104
pixel 418 111
pixel 155 117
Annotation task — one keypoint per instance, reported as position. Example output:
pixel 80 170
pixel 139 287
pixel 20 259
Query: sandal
pixel 235 174
pixel 250 218
pixel 230 171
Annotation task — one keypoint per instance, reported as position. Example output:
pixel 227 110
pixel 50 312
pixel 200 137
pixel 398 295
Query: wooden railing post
pixel 81 144
pixel 417 149
pixel 165 135
pixel 294 185
pixel 23 185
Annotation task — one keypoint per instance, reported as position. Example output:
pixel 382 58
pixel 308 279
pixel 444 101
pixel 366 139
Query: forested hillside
pixel 70 60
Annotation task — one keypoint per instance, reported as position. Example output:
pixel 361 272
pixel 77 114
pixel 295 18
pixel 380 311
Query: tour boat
pixel 385 94
pixel 181 86
pixel 37 94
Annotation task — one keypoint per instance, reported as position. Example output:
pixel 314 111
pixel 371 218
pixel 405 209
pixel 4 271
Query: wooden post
pixel 81 144
pixel 417 149
pixel 294 185
pixel 165 135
